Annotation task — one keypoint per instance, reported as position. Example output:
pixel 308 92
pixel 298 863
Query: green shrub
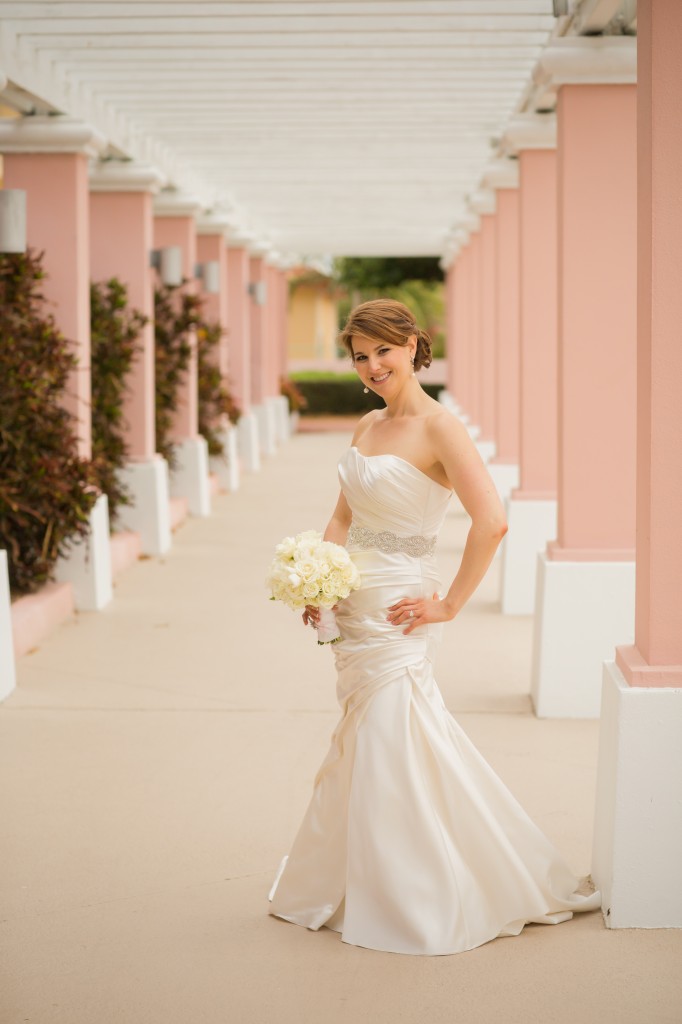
pixel 114 331
pixel 46 490
pixel 342 395
pixel 176 314
pixel 215 398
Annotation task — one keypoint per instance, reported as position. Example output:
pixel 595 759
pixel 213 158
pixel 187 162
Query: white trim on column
pixel 248 441
pixel 174 203
pixel 8 679
pixel 226 466
pixel 190 479
pixel 58 134
pixel 124 176
pixel 87 564
pixel 483 201
pixel 531 131
pixel 532 523
pixel 637 827
pixel 583 609
pixel 501 174
pixel 149 514
pixel 593 60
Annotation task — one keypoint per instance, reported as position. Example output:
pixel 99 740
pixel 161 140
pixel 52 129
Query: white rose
pixel 310 590
pixel 294 579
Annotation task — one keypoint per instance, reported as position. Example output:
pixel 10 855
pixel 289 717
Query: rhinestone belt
pixel 384 540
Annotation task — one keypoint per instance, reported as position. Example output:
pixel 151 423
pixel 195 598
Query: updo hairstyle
pixel 388 321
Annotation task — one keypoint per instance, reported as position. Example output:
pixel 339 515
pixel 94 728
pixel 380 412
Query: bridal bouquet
pixel 309 570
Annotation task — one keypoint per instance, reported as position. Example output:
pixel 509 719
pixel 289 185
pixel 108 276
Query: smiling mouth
pixel 380 380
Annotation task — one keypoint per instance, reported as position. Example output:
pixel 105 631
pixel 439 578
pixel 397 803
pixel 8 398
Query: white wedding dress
pixel 410 843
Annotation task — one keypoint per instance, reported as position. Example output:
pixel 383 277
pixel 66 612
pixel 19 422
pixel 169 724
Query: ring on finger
pixel 411 613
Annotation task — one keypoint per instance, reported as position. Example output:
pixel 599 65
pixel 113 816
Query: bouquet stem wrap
pixel 327 630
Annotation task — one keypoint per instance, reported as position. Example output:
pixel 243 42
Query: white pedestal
pixel 190 479
pixel 474 430
pixel 486 449
pixel 531 525
pixel 248 442
pixel 8 678
pixel 505 477
pixel 148 515
pixel 281 407
pixel 87 565
pixel 637 849
pixel 446 400
pixel 226 466
pixel 294 417
pixel 583 610
pixel 266 429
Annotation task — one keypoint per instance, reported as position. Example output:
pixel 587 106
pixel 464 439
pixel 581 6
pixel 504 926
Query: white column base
pixel 8 678
pixel 149 516
pixel 505 477
pixel 294 417
pixel 248 441
pixel 531 525
pixel 190 479
pixel 87 565
pixel 637 848
pixel 487 450
pixel 266 428
pixel 226 466
pixel 583 610
pixel 474 430
pixel 281 407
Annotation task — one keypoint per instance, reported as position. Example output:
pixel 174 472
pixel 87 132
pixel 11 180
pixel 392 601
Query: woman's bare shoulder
pixel 443 428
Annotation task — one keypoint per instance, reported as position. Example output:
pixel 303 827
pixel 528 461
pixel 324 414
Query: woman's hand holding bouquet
pixel 309 571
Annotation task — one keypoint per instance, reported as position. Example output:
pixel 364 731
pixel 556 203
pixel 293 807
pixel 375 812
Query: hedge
pixel 342 396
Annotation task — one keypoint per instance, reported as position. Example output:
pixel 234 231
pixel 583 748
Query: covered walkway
pixel 174 739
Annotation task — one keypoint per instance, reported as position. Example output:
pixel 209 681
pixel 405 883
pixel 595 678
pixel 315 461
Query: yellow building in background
pixel 312 321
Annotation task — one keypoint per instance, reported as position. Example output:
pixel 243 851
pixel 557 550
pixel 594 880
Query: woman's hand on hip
pixel 418 611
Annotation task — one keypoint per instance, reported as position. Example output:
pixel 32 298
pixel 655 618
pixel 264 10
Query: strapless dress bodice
pixel 387 493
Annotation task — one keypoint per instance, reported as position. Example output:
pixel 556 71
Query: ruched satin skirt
pixel 411 843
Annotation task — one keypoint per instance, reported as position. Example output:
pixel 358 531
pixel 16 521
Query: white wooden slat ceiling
pixel 339 127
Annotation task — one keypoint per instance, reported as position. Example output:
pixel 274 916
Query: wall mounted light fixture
pixel 12 220
pixel 209 275
pixel 258 290
pixel 168 262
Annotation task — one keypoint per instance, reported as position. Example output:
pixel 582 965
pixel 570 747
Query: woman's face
pixel 382 367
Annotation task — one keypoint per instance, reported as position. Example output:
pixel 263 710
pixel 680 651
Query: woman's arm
pixel 337 527
pixel 465 469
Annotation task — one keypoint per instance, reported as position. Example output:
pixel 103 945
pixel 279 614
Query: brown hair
pixel 389 321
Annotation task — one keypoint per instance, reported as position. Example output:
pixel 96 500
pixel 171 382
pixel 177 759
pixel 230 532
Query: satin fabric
pixel 410 843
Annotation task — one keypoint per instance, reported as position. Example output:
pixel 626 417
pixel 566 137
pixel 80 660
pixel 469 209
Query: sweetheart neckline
pixel 390 455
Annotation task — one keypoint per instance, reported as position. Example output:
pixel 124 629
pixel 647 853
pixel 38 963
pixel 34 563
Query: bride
pixel 411 843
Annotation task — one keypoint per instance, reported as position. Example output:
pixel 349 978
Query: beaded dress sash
pixel 385 540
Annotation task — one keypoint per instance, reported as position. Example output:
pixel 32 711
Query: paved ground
pixel 156 760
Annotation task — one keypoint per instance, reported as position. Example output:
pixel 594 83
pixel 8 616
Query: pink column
pixel 637 844
pixel 655 659
pixel 179 229
pixel 487 321
pixel 121 242
pixel 475 286
pixel 48 158
pixel 260 385
pixel 452 341
pixel 531 509
pixel 274 363
pixel 211 248
pixel 586 577
pixel 507 378
pixel 238 324
pixel 538 320
pixel 283 319
pixel 463 340
pixel 597 322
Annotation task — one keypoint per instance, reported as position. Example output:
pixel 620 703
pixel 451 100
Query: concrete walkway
pixel 157 757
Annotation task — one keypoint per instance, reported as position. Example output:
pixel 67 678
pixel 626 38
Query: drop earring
pixel 412 361
pixel 366 390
